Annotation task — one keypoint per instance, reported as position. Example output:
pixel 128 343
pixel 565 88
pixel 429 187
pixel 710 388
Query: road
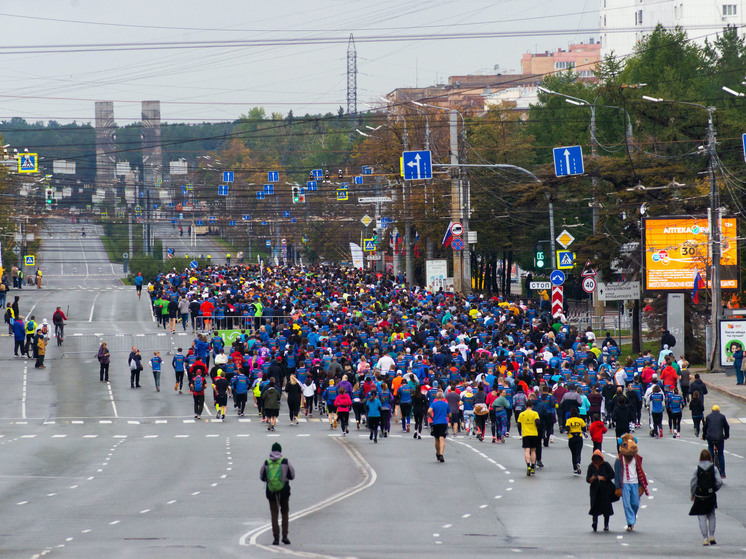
pixel 89 467
pixel 182 244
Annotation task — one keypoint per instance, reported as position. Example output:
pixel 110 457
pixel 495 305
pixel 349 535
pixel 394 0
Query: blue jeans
pixel 720 446
pixel 631 501
pixel 184 320
pixel 739 373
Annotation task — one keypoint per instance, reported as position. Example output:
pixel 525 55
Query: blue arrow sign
pixel 417 165
pixel 260 195
pixel 293 220
pixel 568 161
pixel 311 185
pixel 198 222
pixel 367 170
pixel 557 277
pixel 269 189
pixel 170 204
pixel 212 219
pixel 222 190
pixel 232 222
pixel 173 221
pixel 357 180
pixel 273 176
pixel 285 214
pixel 227 176
pixel 170 250
pixel 268 243
pixel 183 190
pixel 246 217
pixel 194 264
pixel 317 174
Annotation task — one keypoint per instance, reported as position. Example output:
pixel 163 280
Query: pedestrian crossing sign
pixel 369 245
pixel 28 163
pixel 565 259
pixel 342 195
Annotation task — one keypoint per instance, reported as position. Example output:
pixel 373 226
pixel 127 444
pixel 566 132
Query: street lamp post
pixel 714 223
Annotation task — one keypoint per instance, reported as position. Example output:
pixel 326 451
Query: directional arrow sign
pixel 568 161
pixel 557 277
pixel 417 165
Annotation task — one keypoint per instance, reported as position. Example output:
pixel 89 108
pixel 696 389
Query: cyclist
pixel 58 319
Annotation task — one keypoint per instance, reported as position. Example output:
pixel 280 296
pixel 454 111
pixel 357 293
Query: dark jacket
pixel 704 504
pixel 716 427
pixel 601 491
pixel 138 359
pixel 271 398
pixel 698 385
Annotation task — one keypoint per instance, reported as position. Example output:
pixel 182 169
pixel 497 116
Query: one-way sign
pixel 568 161
pixel 417 165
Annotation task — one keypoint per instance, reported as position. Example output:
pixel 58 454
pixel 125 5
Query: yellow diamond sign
pixel 366 220
pixel 565 239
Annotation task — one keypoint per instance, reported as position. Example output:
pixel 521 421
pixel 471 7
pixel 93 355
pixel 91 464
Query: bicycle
pixel 59 333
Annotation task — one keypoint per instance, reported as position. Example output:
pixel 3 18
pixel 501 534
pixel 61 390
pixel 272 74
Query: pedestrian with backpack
pixel 704 484
pixel 197 386
pixel 276 472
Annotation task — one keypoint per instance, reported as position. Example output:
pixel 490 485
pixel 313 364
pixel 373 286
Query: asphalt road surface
pixel 89 469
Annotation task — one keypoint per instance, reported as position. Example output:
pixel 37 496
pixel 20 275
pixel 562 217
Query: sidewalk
pixel 724 384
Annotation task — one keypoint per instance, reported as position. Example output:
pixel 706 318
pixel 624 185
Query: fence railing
pixel 88 344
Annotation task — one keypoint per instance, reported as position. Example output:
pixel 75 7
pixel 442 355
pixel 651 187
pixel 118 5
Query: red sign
pixel 557 300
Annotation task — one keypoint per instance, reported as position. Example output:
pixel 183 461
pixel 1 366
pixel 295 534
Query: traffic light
pixel 49 192
pixel 326 174
pixel 539 257
pixel 375 237
pixel 340 174
pixel 296 194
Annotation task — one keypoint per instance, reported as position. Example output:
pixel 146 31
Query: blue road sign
pixel 156 206
pixel 222 190
pixel 29 260
pixel 343 195
pixel 743 141
pixel 565 259
pixel 246 217
pixel 311 185
pixel 173 221
pixel 260 195
pixel 264 223
pixel 293 220
pixel 367 170
pixel 212 219
pixel 317 174
pixel 183 190
pixel 198 222
pixel 285 214
pixel 386 221
pixel 194 264
pixel 273 176
pixel 357 180
pixel 138 214
pixel 170 204
pixel 457 243
pixel 568 161
pixel 369 245
pixel 227 176
pixel 557 277
pixel 268 243
pixel 170 250
pixel 189 186
pixel 269 189
pixel 417 165
pixel 344 186
pixel 232 222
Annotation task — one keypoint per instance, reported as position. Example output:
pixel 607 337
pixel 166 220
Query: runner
pixel 439 413
pixel 530 424
pixel 220 387
pixel 178 362
pixel 155 364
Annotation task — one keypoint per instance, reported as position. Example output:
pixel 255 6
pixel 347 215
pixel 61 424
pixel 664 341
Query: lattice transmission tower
pixel 351 76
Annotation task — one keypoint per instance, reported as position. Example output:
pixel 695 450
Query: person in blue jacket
pixel 373 414
pixel 19 336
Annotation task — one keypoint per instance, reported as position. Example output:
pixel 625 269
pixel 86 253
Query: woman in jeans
pixel 103 360
pixel 704 484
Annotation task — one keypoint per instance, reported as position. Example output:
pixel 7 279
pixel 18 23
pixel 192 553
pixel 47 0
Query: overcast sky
pixel 295 57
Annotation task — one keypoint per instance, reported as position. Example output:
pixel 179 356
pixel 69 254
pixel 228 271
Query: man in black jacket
pixel 715 431
pixel 698 385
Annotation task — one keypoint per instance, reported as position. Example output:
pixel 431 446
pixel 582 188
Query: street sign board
pixel 417 165
pixel 269 189
pixel 227 176
pixel 622 291
pixel 369 245
pixel 540 285
pixel 457 229
pixel 212 219
pixel 367 170
pixel 565 259
pixel 343 195
pixel 260 195
pixel 317 174
pixel 457 243
pixel 285 214
pixel 374 199
pixel 743 141
pixel 174 221
pixel 588 270
pixel 558 300
pixel 246 217
pixel 311 185
pixel 231 222
pixel 29 260
pixel 28 162
pixel 194 264
pixel 557 277
pixel 222 190
pixel 273 176
pixel 357 179
pixel 268 243
pixel 589 284
pixel 565 239
pixel 367 220
pixel 568 161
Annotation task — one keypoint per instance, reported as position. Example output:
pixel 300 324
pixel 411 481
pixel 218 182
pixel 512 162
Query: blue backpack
pixel 199 384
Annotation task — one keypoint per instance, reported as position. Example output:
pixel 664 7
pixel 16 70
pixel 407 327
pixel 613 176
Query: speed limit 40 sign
pixel 589 284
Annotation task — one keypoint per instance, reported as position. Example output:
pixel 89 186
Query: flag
pixel 416 251
pixel 699 283
pixel 449 235
pixel 397 243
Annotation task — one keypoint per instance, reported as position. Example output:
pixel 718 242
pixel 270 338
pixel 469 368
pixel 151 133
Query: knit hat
pixel 276 447
pixel 715 408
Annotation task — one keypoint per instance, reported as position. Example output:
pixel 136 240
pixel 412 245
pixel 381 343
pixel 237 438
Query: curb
pixel 726 392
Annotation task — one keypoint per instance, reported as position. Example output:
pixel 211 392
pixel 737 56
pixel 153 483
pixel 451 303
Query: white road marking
pixel 114 522
pixel 144 511
pixel 93 306
pixel 171 502
pixel 467 515
pixel 447 525
pixel 369 478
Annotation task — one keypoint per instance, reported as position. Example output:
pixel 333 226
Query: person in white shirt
pixel 385 363
pixel 620 377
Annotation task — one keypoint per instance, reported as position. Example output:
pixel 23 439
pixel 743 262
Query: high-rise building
pixel 105 143
pixel 624 22
pixel 150 134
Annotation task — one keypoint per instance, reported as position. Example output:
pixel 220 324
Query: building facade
pixel 581 58
pixel 624 22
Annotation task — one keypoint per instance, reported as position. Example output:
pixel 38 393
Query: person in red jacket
pixel 597 430
pixel 343 403
pixel 669 376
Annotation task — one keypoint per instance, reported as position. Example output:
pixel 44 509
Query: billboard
pixel 732 337
pixel 677 247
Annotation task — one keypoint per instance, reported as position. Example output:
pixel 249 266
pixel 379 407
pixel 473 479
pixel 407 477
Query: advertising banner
pixel 676 248
pixel 732 337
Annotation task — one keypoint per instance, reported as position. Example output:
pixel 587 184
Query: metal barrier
pixel 146 342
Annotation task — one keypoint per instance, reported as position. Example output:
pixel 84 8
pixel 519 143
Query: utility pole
pixel 715 250
pixel 456 200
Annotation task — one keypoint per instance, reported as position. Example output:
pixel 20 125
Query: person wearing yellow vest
pixel 30 329
pixel 38 278
pixel 258 310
